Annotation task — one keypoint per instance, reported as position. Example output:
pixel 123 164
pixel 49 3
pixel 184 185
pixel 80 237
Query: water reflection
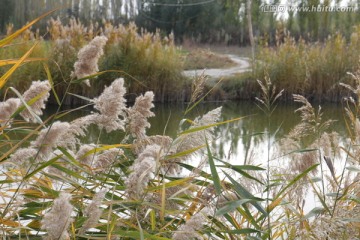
pixel 238 142
pixel 246 140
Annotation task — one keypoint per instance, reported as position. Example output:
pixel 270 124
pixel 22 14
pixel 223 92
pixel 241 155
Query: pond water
pixel 240 142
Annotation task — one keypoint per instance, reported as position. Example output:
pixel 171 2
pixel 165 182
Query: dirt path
pixel 243 65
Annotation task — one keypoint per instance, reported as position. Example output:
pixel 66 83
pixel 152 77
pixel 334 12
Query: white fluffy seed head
pixel 139 113
pixel 88 58
pixel 40 89
pixel 49 137
pixel 56 222
pixel 7 109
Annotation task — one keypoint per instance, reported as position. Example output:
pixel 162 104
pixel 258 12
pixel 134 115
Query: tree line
pixel 206 21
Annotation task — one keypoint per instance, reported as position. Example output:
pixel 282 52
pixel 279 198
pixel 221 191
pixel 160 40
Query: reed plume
pixel 143 169
pixel 88 58
pixel 50 137
pixel 57 221
pixel 39 89
pixel 93 211
pixel 138 114
pixel 190 229
pixel 198 138
pixel 111 105
pixel 193 140
pixel 7 109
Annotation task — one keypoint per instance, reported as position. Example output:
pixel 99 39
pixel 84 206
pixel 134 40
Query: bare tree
pixel 251 35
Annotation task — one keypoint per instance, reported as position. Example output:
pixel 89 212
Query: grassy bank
pixel 311 69
pixel 147 61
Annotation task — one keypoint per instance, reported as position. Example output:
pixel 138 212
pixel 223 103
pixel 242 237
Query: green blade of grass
pixel 297 178
pixel 108 71
pixel 191 168
pixel 44 165
pixel 173 183
pixel 81 97
pixel 240 169
pixel 48 74
pixel 322 201
pixel 105 147
pixel 152 219
pixel 62 114
pixel 249 216
pixel 214 173
pixel 231 206
pixel 201 99
pixel 10 151
pixel 243 193
pixel 314 212
pixel 27 104
pixel 137 235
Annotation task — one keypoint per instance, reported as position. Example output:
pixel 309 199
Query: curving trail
pixel 243 65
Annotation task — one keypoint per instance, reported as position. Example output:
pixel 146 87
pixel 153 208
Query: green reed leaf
pixel 214 173
pixel 231 206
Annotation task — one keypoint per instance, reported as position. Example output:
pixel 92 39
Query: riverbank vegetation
pixel 314 70
pixel 311 69
pixel 300 67
pixel 57 185
pixel 146 61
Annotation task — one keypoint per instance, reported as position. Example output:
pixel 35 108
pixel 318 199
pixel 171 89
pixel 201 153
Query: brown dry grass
pixel 199 58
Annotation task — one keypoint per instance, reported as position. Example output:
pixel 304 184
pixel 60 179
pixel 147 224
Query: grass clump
pixel 311 69
pixel 148 58
pixel 205 59
pixel 314 70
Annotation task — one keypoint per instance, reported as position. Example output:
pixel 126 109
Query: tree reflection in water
pixel 240 142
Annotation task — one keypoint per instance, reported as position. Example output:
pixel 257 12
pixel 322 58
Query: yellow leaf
pixel 274 204
pixel 14 61
pixel 9 223
pixel 106 147
pixel 184 153
pixel 34 224
pixel 33 192
pixel 6 76
pixel 163 203
pixel 200 128
pixel 8 39
pixel 172 184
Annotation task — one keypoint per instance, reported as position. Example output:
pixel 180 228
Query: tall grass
pixel 311 69
pixel 147 61
pixel 55 186
pixel 149 58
